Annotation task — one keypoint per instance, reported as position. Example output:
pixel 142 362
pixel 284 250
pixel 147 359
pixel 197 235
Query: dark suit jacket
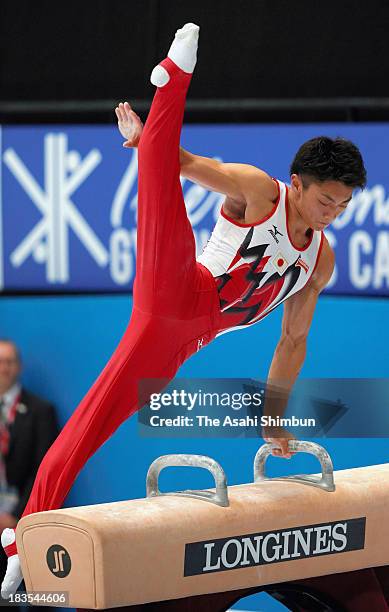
pixel 31 435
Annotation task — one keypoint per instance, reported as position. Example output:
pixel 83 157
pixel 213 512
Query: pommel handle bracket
pixel 219 497
pixel 325 481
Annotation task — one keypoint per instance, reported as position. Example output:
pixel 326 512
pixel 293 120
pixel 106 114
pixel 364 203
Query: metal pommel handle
pixel 325 481
pixel 219 497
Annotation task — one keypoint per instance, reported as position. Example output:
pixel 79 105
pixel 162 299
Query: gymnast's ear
pixel 296 184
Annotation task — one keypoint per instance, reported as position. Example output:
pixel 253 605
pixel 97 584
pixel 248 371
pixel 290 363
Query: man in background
pixel 28 427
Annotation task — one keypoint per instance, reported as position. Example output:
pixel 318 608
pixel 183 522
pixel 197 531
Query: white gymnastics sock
pixel 183 52
pixel 13 575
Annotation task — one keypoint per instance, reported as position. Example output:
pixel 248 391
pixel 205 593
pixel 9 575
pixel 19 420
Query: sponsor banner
pixel 236 408
pixel 290 544
pixel 68 204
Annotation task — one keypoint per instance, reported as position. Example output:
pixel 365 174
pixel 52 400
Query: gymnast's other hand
pixel 129 124
pixel 279 439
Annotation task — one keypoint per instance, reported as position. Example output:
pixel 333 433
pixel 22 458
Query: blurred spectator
pixel 28 427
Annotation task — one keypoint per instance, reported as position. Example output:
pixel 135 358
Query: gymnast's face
pixel 9 366
pixel 320 203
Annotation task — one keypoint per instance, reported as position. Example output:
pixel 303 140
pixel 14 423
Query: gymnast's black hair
pixel 329 159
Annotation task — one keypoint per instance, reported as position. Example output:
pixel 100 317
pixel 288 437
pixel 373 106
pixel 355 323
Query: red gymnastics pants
pixel 176 304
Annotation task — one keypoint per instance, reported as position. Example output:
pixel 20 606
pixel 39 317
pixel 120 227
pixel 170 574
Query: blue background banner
pixel 69 199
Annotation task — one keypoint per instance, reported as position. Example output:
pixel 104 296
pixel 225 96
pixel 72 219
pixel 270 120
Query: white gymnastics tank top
pixel 256 266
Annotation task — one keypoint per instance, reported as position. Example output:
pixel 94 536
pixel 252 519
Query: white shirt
pixel 9 399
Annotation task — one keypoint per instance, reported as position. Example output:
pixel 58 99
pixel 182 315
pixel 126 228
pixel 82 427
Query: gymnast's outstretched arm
pixel 240 182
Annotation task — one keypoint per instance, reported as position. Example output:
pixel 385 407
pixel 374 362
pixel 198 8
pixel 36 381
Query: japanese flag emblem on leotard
pixel 280 263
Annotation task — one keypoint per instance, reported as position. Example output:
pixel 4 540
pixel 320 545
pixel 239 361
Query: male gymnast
pixel 267 248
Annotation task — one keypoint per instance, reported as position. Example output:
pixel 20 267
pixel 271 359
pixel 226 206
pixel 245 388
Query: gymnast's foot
pixel 13 575
pixel 183 52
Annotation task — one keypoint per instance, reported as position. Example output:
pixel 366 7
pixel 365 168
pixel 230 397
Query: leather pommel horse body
pixel 170 546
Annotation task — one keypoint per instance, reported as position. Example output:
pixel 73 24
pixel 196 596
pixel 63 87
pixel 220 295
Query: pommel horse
pixel 319 539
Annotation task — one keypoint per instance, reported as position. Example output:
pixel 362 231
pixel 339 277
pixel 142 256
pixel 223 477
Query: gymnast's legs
pixel 175 300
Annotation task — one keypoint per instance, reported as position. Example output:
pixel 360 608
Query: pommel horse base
pixel 310 540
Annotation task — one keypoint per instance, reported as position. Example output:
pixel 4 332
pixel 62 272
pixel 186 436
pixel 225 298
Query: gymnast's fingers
pixel 122 111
